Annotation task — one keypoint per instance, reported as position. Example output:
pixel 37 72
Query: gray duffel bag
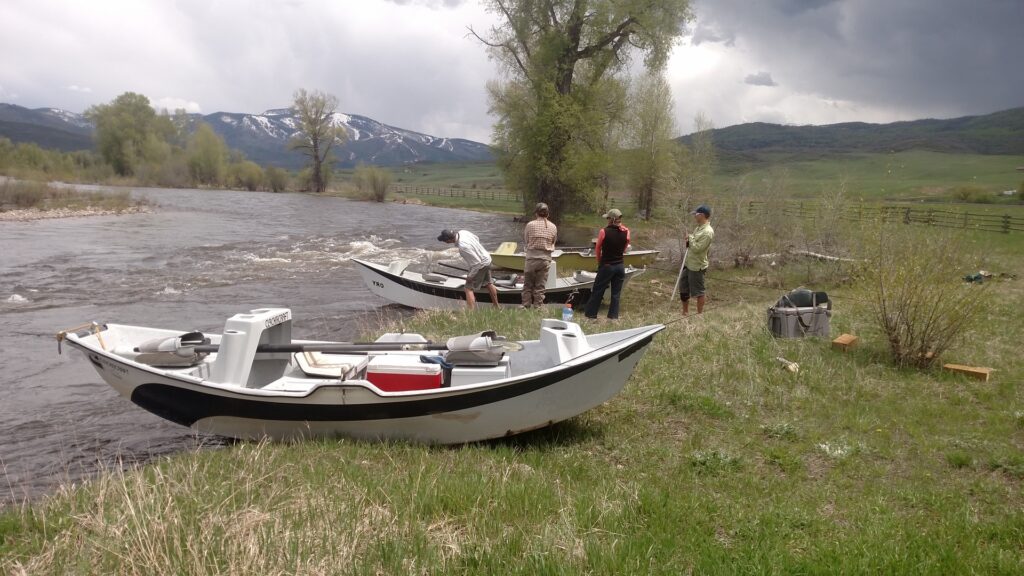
pixel 801 313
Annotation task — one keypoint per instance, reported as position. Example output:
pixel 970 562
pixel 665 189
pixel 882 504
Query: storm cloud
pixel 842 60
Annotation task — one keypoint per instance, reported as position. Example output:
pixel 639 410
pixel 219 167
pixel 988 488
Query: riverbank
pixel 30 214
pixel 22 201
pixel 714 459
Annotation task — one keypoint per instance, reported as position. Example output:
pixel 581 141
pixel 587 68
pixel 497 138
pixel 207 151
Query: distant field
pixel 901 176
pixel 483 176
pixel 911 175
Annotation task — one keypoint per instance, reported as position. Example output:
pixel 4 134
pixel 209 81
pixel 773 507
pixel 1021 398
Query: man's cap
pixel 446 235
pixel 702 209
pixel 541 207
pixel 613 214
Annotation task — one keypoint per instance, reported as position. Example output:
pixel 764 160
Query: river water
pixel 199 257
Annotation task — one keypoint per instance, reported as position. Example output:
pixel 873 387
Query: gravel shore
pixel 34 214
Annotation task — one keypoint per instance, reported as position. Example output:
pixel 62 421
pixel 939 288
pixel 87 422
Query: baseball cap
pixel 702 209
pixel 613 213
pixel 446 235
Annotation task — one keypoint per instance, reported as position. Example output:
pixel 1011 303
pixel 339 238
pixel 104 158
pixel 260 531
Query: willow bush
pixel 373 182
pixel 914 280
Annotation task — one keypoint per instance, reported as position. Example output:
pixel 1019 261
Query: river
pixel 199 257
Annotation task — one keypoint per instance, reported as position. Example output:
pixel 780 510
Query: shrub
pixel 276 179
pixel 914 283
pixel 246 174
pixel 373 182
pixel 972 193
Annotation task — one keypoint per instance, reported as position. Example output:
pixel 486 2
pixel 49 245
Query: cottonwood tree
pixel 318 133
pixel 207 156
pixel 129 133
pixel 560 57
pixel 651 153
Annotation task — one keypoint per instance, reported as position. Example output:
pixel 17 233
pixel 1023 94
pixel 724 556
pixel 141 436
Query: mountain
pixel 263 138
pixel 47 127
pixel 996 133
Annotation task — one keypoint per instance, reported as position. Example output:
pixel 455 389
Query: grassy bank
pixel 712 460
pixel 25 195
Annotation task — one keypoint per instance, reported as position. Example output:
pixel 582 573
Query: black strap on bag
pixel 816 299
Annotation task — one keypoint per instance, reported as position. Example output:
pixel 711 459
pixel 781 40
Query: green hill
pixel 996 133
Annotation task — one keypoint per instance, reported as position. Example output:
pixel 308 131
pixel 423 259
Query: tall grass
pixel 16 194
pixel 712 460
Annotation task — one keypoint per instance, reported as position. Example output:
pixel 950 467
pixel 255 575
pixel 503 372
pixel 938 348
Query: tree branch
pixel 620 32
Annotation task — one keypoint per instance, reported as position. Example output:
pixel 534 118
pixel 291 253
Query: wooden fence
pixel 809 210
pixel 926 215
pixel 942 217
pixel 477 193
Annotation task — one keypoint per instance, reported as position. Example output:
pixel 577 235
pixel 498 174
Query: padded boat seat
pixel 320 365
pixel 431 277
pixel 505 282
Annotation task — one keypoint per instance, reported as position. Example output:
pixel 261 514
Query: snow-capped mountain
pixel 263 138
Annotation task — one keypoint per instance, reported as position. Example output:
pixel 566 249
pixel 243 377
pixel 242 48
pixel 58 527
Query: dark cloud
pixel 760 79
pixel 926 56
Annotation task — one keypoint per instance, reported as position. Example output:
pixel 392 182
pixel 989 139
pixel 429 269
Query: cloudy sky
pixel 410 63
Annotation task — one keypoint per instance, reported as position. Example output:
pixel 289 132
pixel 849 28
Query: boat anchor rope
pixel 94 327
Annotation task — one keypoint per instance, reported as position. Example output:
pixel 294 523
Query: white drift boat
pixel 254 381
pixel 445 289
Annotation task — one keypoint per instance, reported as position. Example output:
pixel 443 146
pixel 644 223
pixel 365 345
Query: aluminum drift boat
pixel 444 290
pixel 569 258
pixel 255 382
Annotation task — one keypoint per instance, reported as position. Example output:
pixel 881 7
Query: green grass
pixel 902 176
pixel 712 460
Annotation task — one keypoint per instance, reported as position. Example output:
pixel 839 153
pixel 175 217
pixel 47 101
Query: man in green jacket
pixel 691 284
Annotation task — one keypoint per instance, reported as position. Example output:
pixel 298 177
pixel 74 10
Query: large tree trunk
pixel 318 178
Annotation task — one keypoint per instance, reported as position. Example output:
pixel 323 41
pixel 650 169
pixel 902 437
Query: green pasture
pixel 897 177
pixel 910 175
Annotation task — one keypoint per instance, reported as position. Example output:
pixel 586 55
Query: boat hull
pixel 450 294
pixel 357 409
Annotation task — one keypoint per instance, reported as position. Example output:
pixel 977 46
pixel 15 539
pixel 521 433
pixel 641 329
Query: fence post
pixel 1006 223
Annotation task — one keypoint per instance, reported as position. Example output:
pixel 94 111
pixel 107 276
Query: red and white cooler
pixel 401 372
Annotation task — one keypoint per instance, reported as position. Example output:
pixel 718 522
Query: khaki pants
pixel 535 277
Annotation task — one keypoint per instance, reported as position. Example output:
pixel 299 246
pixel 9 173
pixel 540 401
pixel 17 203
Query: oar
pixel 679 277
pixel 334 348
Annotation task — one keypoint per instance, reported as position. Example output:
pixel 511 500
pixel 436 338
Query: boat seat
pixel 341 366
pixel 584 276
pixel 431 277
